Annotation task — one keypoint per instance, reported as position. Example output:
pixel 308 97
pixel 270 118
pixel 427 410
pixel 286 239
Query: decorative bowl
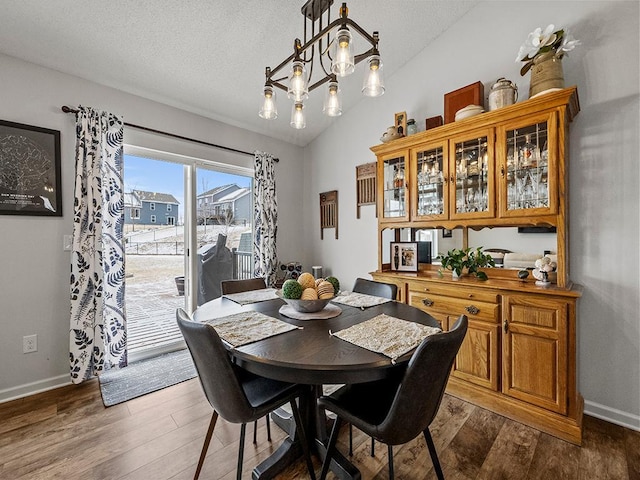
pixel 305 306
pixel 468 111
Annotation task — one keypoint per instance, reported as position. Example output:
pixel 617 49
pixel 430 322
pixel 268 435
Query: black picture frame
pixel 404 256
pixel 29 170
pixel 447 233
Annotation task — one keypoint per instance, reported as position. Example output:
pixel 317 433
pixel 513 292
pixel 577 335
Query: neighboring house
pixel 150 208
pixel 206 201
pixel 237 203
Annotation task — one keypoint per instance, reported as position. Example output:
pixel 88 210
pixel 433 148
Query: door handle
pixel 472 309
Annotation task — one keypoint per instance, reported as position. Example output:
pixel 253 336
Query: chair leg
pixel 205 447
pixel 268 427
pixel 434 454
pixel 243 431
pixel 255 432
pixel 350 440
pixel 390 450
pixel 331 446
pixel 373 447
pixel 303 438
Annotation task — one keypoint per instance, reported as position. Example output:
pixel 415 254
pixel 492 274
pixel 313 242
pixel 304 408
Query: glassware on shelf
pixel 526 152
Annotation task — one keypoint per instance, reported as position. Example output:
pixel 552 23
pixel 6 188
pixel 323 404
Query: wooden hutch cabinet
pixel 507 167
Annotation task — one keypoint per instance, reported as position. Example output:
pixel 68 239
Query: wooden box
pixel 470 95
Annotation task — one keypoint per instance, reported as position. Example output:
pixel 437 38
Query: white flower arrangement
pixel 539 42
pixel 544 266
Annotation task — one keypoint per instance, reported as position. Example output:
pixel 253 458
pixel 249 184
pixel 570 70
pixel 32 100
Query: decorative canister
pixel 546 74
pixel 411 127
pixel 504 92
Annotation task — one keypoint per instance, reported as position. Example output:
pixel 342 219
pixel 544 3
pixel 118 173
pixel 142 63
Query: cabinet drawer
pixel 450 291
pixel 488 312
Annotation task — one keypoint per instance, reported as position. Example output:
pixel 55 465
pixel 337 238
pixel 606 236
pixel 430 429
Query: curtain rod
pixel 66 109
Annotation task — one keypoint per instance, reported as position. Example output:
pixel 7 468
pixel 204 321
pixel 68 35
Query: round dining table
pixel 314 357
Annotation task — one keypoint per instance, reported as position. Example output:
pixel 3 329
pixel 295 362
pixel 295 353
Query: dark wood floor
pixel 68 434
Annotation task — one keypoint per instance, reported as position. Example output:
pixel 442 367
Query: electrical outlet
pixel 29 343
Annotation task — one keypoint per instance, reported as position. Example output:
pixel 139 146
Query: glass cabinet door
pixel 527 182
pixel 428 198
pixel 393 172
pixel 471 176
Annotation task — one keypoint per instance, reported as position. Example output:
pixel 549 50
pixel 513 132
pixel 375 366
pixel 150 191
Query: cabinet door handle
pixel 472 309
pixel 427 302
pixel 502 171
pixel 505 326
pixel 451 178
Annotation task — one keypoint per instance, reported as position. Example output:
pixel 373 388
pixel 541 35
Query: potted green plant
pixel 466 261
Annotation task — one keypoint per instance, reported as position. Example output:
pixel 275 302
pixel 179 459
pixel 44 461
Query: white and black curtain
pixel 265 218
pixel 98 335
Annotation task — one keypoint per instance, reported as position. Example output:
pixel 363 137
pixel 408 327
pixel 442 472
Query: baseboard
pixel 32 388
pixel 612 415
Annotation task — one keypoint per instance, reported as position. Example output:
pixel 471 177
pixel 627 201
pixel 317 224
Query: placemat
pixel 390 336
pixel 329 311
pixel 360 300
pixel 252 296
pixel 248 327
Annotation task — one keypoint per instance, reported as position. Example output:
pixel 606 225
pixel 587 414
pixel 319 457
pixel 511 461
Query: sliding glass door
pixel 175 206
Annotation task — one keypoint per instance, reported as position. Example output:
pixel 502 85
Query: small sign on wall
pixel 328 211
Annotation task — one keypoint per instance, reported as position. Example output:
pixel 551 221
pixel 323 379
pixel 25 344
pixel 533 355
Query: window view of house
pixel 155 228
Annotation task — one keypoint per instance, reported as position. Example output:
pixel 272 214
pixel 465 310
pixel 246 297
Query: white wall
pixel 34 286
pixel 604 173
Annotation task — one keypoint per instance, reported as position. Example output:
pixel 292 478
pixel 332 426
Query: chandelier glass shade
pixel 326 55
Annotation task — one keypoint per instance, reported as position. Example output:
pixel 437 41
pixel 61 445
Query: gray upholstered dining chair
pixel 246 285
pixel 378 289
pixel 405 406
pixel 236 395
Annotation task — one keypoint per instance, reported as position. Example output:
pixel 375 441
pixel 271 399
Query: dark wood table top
pixel 311 355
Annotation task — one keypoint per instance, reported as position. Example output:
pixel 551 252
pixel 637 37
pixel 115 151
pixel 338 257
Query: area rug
pixel 146 376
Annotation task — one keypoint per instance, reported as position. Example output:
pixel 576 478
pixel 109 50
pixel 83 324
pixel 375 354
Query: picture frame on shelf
pixel 472 94
pixel 30 181
pixel 404 256
pixel 447 233
pixel 401 122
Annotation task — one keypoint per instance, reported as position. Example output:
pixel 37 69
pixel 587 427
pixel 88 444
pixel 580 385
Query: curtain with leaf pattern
pixel 98 335
pixel 265 218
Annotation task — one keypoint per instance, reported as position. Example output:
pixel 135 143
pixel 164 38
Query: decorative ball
pixel 291 289
pixel 319 281
pixel 309 294
pixel 325 290
pixel 336 284
pixel 307 280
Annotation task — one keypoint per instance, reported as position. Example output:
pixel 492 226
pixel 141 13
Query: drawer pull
pixel 427 302
pixel 472 309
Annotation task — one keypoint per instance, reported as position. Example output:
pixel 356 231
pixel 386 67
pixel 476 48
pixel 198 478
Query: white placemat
pixel 252 296
pixel 390 336
pixel 248 327
pixel 359 300
pixel 329 311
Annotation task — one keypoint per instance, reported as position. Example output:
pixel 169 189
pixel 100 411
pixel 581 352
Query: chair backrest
pixel 218 375
pixel 418 398
pixel 379 289
pixel 237 286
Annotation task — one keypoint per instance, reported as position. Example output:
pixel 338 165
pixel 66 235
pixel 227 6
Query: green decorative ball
pixel 336 284
pixel 291 289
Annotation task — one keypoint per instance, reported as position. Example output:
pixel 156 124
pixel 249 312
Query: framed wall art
pixel 29 170
pixel 401 123
pixel 404 256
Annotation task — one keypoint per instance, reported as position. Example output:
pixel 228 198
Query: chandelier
pixel 329 51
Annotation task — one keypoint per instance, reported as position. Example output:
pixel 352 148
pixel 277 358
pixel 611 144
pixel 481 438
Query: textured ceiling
pixel 208 56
